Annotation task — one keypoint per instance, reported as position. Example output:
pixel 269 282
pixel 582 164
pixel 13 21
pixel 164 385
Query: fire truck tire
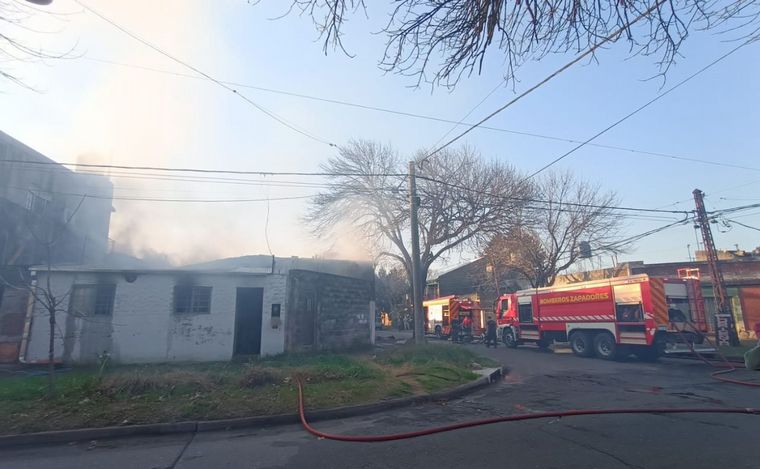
pixel 605 346
pixel 581 344
pixel 508 337
pixel 439 332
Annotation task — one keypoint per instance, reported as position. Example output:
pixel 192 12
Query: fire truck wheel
pixel 439 332
pixel 605 346
pixel 508 337
pixel 580 342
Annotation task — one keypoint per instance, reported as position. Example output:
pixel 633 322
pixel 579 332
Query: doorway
pixel 248 312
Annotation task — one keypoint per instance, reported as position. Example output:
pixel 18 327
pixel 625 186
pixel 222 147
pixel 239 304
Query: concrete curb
pixel 83 434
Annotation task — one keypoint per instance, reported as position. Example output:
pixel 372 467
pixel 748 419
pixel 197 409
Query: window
pixel 92 300
pixel 629 312
pixel 192 299
pixel 504 307
pixel 35 202
pixel 679 310
pixel 525 312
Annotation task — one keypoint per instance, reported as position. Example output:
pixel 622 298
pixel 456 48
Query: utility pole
pixel 725 329
pixel 417 287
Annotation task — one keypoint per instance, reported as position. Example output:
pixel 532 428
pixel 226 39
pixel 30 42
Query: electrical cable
pixel 528 199
pixel 199 170
pixel 433 118
pixel 745 226
pixel 204 74
pixel 638 109
pixel 508 418
pixel 577 59
pixel 157 199
pixel 621 243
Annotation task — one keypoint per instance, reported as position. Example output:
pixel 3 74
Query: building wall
pixel 144 328
pixel 328 312
pixel 84 239
pixel 476 281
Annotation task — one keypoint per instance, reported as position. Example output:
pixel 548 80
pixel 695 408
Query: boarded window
pixel 92 300
pixel 192 299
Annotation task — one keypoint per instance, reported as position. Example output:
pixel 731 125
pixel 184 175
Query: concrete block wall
pixel 342 311
pixel 144 328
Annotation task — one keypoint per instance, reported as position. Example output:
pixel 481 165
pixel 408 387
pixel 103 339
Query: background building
pixel 42 201
pixel 477 280
pixel 48 213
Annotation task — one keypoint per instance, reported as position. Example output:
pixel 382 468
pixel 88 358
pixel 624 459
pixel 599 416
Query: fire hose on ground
pixel 508 418
pixel 728 367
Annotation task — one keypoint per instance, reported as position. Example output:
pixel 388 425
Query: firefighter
pixel 456 331
pixel 467 326
pixel 491 332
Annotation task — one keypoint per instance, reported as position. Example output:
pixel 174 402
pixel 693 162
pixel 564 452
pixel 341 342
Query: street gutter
pixel 489 376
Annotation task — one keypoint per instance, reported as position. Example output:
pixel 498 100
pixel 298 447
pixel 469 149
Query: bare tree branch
pixel 547 243
pixel 440 41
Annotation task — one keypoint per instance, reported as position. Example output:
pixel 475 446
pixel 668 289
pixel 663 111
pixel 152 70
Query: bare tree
pixel 392 289
pixel 46 234
pixel 463 200
pixel 567 211
pixel 15 16
pixel 439 41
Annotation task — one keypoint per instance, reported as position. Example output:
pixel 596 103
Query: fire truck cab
pixel 608 318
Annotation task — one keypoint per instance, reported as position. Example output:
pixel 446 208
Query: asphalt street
pixel 538 381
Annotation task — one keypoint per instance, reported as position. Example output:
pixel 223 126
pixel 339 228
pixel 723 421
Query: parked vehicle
pixel 635 314
pixel 439 312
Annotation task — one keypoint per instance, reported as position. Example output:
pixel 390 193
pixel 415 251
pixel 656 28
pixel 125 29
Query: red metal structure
pixel 725 329
pixel 634 314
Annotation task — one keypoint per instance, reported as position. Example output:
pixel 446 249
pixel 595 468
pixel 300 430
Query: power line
pixel 200 170
pixel 639 109
pixel 157 199
pixel 742 224
pixel 461 121
pixel 204 74
pixel 732 209
pixel 436 119
pixel 580 57
pixel 623 242
pixel 529 199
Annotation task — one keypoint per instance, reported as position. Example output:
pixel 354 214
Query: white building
pixel 208 312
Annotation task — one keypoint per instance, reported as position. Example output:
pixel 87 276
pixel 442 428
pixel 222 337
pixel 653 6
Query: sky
pixel 84 108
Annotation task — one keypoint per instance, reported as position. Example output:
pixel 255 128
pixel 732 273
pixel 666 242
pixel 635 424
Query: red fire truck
pixel 439 312
pixel 608 318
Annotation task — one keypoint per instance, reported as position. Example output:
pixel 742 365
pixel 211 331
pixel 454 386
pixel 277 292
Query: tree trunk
pixel 51 357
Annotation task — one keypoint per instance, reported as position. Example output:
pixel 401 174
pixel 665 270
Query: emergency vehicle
pixel 608 318
pixel 439 312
